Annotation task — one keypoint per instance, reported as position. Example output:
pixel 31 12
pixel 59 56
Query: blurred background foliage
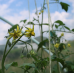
pixel 15 55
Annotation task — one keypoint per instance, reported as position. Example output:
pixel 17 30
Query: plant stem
pixel 27 43
pixel 41 34
pixel 52 2
pixel 56 52
pixel 13 45
pixel 42 29
pixel 61 31
pixel 58 67
pixel 58 63
pixel 3 59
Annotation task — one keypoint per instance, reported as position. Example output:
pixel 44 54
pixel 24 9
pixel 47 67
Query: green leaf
pixel 34 57
pixel 44 8
pixel 45 31
pixel 28 55
pixel 52 33
pixel 59 22
pixel 56 26
pixel 34 19
pixel 41 44
pixel 59 60
pixel 45 24
pixel 67 27
pixel 64 6
pixel 73 30
pixel 41 62
pixel 9 43
pixel 53 57
pixel 14 64
pixel 24 21
pixel 28 64
pixel 69 63
pixel 35 71
pixel 22 56
pixel 30 23
pixel 54 69
pixel 70 66
pixel 12 72
pixel 67 56
pixel 6 36
pixel 13 27
pixel 0 70
pixel 61 46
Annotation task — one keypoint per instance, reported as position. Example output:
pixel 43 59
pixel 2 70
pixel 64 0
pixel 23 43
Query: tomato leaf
pixel 64 6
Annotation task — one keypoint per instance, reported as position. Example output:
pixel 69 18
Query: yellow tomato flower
pixel 39 13
pixel 29 32
pixel 42 11
pixel 69 45
pixel 62 34
pixel 56 45
pixel 15 34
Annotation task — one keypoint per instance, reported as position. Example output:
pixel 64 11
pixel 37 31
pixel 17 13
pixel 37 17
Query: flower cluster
pixel 56 45
pixel 69 45
pixel 29 32
pixel 41 12
pixel 17 33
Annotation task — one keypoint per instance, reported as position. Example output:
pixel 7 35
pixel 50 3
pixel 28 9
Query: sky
pixel 17 10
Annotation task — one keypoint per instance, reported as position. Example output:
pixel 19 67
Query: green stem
pixel 4 56
pixel 27 43
pixel 39 24
pixel 13 45
pixel 60 31
pixel 58 64
pixel 57 55
pixel 59 68
pixel 42 29
pixel 56 52
pixel 52 2
pixel 37 13
pixel 41 40
pixel 3 59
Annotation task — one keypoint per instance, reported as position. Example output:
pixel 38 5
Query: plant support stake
pixel 49 21
pixel 29 16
